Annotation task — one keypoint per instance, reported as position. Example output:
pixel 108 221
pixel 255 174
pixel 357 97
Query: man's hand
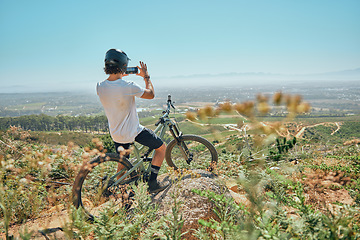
pixel 143 72
pixel 149 89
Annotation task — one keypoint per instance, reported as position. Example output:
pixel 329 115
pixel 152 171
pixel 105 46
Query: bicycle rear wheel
pixel 192 152
pixel 93 190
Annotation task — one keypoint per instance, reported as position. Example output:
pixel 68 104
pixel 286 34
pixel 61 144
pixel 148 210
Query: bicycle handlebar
pixel 166 113
pixel 169 103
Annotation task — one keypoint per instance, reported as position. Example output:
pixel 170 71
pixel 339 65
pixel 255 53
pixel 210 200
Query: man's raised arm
pixel 149 92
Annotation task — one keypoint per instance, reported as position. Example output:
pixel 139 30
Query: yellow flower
pixel 263 107
pixel 245 108
pixel 191 116
pixel 261 98
pixel 277 98
pixel 226 107
pixel 209 111
pixel 303 108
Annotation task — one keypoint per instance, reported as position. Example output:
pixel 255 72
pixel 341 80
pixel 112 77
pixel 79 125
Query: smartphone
pixel 132 70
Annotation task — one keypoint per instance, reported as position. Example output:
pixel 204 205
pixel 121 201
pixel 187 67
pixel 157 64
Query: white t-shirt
pixel 118 100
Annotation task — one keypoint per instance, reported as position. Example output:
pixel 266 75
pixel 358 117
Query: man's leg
pixel 148 138
pixel 118 149
pixel 157 162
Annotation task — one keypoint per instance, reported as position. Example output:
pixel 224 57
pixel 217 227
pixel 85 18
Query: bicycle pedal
pixel 145 177
pixel 147 159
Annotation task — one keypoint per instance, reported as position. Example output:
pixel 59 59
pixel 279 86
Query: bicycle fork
pixel 177 135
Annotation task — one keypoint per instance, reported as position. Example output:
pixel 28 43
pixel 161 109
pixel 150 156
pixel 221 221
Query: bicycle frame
pixel 164 124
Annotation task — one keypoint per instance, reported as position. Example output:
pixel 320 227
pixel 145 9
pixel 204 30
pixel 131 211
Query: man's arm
pixel 149 92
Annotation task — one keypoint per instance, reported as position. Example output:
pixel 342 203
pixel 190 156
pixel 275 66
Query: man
pixel 118 99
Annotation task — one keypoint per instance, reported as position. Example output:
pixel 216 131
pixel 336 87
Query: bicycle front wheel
pixel 94 187
pixel 191 152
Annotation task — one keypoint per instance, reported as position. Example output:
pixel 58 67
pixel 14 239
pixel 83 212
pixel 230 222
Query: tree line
pixel 45 122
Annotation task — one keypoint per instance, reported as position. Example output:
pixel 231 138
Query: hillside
pixel 280 174
pixel 324 178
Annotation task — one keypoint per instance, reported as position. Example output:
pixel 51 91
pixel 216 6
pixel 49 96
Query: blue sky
pixel 60 45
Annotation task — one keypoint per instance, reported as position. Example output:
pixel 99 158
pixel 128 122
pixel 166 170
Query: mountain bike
pixel 98 181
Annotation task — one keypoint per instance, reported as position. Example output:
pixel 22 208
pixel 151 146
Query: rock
pixel 193 206
pixel 44 227
pixel 52 233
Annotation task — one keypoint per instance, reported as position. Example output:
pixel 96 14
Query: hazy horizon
pixel 231 79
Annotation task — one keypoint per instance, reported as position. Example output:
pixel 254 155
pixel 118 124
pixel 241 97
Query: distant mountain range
pixel 355 72
pixel 231 79
pixel 256 78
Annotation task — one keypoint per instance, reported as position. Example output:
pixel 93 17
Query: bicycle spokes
pixel 191 152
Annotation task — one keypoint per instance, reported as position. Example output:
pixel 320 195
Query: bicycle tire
pixel 88 190
pixel 204 153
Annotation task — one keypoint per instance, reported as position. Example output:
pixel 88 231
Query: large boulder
pixel 193 206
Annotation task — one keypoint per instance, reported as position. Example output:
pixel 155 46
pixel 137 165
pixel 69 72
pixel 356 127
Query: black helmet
pixel 118 58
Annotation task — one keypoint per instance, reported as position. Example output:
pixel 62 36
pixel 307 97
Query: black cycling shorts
pixel 146 137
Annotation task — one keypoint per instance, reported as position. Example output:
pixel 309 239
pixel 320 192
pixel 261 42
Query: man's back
pixel 118 99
